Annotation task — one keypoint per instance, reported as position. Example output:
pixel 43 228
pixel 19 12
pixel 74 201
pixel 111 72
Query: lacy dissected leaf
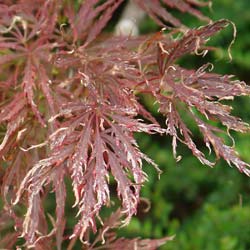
pixel 160 14
pixel 193 95
pixel 24 52
pixel 193 41
pixel 95 140
pixel 18 157
pixel 106 145
pixel 175 88
pixel 224 89
pixel 91 18
pixel 34 223
pixel 175 125
pixel 103 19
pixel 221 149
pixel 40 175
pixel 197 91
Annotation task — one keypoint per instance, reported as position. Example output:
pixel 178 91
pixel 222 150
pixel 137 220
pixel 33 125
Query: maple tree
pixel 71 102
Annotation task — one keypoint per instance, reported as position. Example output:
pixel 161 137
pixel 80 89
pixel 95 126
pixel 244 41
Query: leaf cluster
pixel 71 103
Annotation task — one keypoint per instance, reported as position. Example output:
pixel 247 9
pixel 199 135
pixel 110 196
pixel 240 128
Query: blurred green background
pixel 206 209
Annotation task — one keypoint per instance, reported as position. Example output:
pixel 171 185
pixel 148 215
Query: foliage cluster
pixel 205 208
pixel 71 101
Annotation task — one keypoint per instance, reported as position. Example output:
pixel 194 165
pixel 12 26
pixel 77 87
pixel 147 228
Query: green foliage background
pixel 206 209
